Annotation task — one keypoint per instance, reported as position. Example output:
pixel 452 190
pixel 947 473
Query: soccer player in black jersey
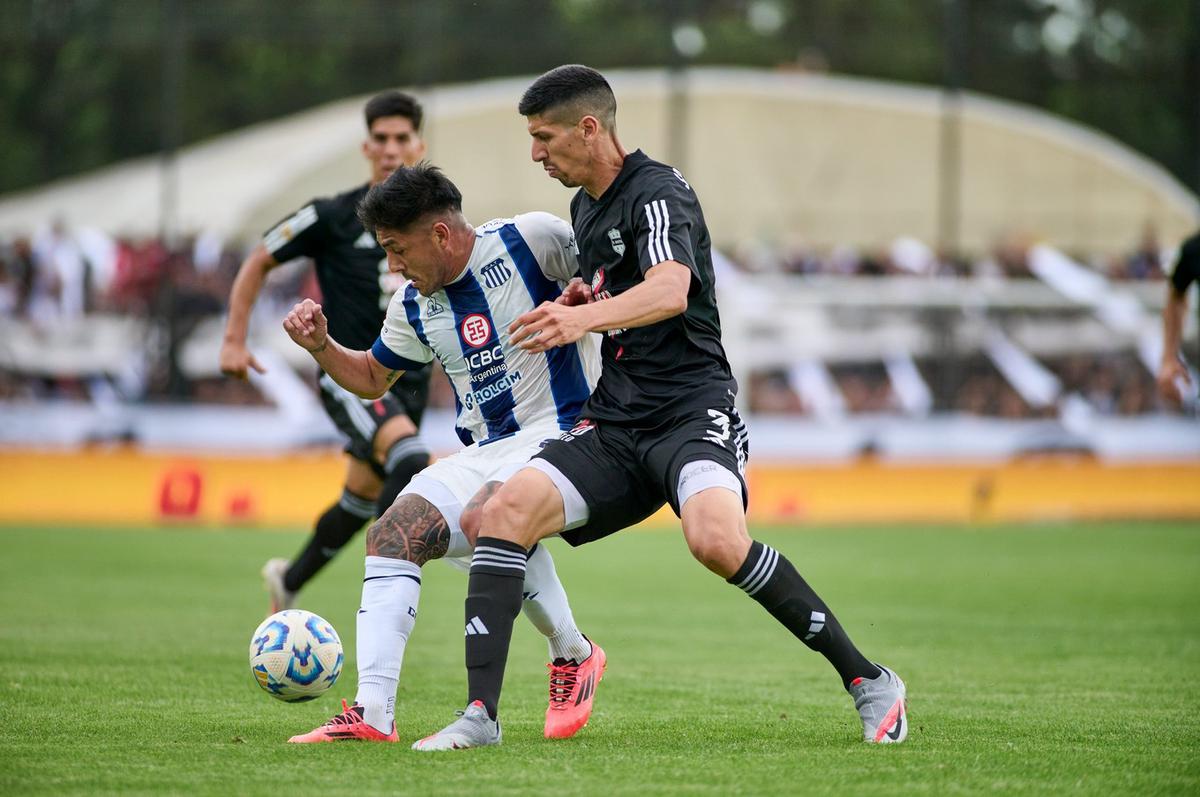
pixel 1173 374
pixel 356 286
pixel 660 425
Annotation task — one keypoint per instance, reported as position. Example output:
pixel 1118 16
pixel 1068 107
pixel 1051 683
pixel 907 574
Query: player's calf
pixel 409 534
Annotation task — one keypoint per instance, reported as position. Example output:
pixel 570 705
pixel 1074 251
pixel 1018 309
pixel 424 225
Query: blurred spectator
pixel 62 273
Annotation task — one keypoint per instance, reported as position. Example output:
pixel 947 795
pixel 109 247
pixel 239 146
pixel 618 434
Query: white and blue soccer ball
pixel 295 655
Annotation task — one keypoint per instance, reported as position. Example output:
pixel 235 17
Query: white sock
pixel 546 606
pixel 391 590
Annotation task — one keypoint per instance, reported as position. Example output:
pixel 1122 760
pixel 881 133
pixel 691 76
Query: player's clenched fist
pixel 306 325
pixel 576 292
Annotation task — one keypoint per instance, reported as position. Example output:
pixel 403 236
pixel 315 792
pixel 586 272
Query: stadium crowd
pixel 1112 384
pixel 59 275
pixel 907 256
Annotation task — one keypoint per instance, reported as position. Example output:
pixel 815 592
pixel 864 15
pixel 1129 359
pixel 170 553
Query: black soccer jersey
pixel 356 285
pixel 649 215
pixel 1187 267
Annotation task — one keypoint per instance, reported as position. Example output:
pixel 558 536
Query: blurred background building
pixel 943 230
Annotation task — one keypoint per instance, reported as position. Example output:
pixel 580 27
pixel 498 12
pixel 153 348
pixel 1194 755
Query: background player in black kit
pixel 660 425
pixel 356 287
pixel 1173 374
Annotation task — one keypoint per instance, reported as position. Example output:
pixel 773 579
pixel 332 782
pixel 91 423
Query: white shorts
pixel 451 482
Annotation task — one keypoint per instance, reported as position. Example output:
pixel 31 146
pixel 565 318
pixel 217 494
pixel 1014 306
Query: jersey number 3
pixel 719 435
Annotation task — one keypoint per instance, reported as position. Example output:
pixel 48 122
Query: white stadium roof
pixel 834 160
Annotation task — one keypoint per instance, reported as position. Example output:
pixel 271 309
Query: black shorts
pixel 625 474
pixel 359 419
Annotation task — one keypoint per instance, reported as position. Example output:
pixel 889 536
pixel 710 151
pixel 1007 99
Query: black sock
pixel 334 529
pixel 407 457
pixel 493 601
pixel 769 578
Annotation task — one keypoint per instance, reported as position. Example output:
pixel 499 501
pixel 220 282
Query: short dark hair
pixel 407 195
pixel 574 88
pixel 394 103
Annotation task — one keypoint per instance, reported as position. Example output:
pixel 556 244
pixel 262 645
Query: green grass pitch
pixel 1040 659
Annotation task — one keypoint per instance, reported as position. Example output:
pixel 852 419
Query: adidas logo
pixel 814 628
pixel 476 626
pixel 585 691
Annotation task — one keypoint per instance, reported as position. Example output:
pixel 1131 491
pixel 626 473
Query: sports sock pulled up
pixel 493 601
pixel 336 527
pixel 769 578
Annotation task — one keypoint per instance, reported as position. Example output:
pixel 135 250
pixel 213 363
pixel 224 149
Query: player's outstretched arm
pixel 235 358
pixel 357 371
pixel 663 294
pixel 1172 371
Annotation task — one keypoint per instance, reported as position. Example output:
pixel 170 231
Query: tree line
pixel 87 82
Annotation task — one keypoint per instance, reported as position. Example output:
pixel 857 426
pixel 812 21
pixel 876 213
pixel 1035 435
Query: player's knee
pixel 393 429
pixel 469 521
pixel 375 537
pixel 502 512
pixel 718 548
pixel 511 515
pixel 412 529
pixel 526 508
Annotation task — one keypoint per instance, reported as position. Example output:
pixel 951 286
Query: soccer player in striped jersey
pixel 661 425
pixel 382 443
pixel 466 285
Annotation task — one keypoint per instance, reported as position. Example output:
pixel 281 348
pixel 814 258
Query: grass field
pixel 1060 658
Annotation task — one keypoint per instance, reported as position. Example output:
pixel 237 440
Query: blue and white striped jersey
pixel 516 265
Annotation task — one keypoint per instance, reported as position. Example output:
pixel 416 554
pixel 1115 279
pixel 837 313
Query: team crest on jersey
pixel 597 281
pixel 495 273
pixel 434 309
pixel 476 330
pixel 614 235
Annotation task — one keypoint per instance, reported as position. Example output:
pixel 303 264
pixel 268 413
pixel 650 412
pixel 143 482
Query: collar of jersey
pixel 632 161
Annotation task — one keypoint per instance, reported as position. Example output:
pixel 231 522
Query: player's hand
pixel 307 327
pixel 236 360
pixel 546 326
pixel 1171 375
pixel 576 292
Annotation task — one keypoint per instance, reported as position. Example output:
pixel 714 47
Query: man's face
pixel 391 143
pixel 560 148
pixel 417 253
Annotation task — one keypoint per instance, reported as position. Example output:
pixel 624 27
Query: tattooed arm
pixel 412 529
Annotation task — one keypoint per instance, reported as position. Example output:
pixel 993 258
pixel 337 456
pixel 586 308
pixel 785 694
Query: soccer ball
pixel 295 655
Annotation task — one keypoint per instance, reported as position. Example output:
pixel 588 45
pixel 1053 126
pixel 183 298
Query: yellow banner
pixel 131 487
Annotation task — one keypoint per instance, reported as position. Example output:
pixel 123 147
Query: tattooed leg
pixel 410 533
pixel 411 529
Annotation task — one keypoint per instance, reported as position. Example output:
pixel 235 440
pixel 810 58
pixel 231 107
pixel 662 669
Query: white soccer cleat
pixel 272 573
pixel 881 703
pixel 473 728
